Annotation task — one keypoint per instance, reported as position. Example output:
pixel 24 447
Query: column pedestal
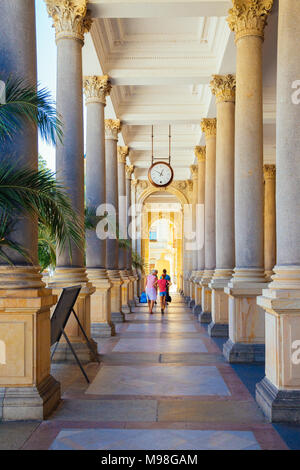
pixel 205 315
pixel 27 390
pixel 246 318
pixel 102 326
pixel 198 293
pixel 219 310
pixel 192 290
pixel 67 277
pixel 117 315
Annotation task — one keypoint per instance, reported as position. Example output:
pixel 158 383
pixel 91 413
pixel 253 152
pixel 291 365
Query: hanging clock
pixel 161 173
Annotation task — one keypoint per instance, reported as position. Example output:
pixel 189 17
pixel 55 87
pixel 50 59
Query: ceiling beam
pixel 124 77
pixel 157 8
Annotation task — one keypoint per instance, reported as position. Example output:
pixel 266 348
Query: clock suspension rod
pixel 169 144
pixel 152 156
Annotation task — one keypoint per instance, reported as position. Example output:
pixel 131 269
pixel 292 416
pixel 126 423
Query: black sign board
pixel 59 319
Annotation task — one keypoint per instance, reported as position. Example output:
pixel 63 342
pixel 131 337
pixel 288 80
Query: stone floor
pixel 162 384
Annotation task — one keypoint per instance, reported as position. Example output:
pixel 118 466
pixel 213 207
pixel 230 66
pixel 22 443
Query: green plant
pixel 25 104
pixel 46 248
pixel 138 262
pixel 6 230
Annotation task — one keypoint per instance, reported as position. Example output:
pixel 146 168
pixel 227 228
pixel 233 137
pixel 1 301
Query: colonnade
pixel 245 279
pixel 249 281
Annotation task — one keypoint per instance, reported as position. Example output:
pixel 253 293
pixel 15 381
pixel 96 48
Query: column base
pixel 30 403
pixel 278 405
pixel 64 354
pixel 249 353
pixel 103 330
pixel 118 317
pixel 204 317
pixel 197 309
pixel 218 329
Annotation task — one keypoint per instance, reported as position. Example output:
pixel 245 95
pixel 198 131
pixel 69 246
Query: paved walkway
pixel 162 384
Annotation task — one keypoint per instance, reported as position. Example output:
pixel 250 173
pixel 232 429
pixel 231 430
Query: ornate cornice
pixel 129 170
pixel 209 127
pixel 70 18
pixel 269 172
pixel 200 153
pixel 223 87
pixel 249 17
pixel 122 154
pixel 194 171
pixel 96 88
pixel 112 128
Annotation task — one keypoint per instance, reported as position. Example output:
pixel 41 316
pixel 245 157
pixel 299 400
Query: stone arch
pixel 169 190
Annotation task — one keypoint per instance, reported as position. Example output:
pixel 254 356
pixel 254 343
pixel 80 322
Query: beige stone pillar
pixel 223 87
pixel 96 89
pixel 129 171
pixel 270 220
pixel 209 128
pixel 122 154
pixel 71 23
pixel 193 254
pixel 135 241
pixel 246 319
pixel 278 393
pixel 112 128
pixel 27 390
pixel 200 153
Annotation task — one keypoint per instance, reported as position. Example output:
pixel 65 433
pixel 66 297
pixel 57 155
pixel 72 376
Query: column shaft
pixel 96 89
pixel 27 390
pixel 209 127
pixel 270 220
pixel 278 393
pixel 246 319
pixel 224 89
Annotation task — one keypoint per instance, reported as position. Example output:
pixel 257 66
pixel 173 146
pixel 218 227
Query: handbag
pixel 168 298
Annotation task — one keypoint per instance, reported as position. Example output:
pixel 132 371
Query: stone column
pixel 96 89
pixel 27 390
pixel 270 220
pixel 112 128
pixel 209 128
pixel 122 154
pixel 134 242
pixel 71 22
pixel 194 259
pixel 246 319
pixel 223 87
pixel 200 152
pixel 278 393
pixel 129 170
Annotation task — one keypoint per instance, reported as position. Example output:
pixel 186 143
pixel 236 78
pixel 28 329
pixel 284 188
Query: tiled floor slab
pixel 14 434
pixel 162 328
pixel 158 439
pixel 192 358
pixel 224 411
pixel 162 345
pixel 161 380
pixel 125 358
pixel 107 410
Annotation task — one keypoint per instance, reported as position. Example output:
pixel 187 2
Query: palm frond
pixel 24 103
pixel 138 262
pixel 6 229
pixel 46 248
pixel 40 194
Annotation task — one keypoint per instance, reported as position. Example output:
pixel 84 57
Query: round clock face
pixel 160 174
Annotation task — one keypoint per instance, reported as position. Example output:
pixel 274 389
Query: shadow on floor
pixel 250 375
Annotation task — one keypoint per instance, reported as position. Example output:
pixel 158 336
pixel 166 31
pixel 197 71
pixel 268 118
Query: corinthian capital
pixel 112 128
pixel 249 17
pixel 129 170
pixel 200 153
pixel 96 88
pixel 269 172
pixel 122 154
pixel 194 171
pixel 209 127
pixel 223 87
pixel 70 18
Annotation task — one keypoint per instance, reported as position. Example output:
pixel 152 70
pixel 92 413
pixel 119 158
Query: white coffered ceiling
pixel 160 55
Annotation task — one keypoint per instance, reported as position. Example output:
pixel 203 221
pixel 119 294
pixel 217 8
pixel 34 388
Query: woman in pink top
pixel 151 289
pixel 162 284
